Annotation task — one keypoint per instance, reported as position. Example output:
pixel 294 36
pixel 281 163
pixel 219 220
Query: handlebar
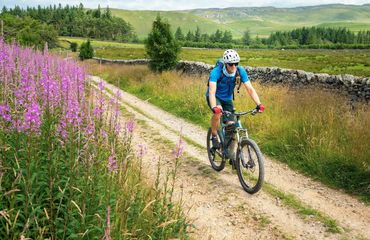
pixel 238 114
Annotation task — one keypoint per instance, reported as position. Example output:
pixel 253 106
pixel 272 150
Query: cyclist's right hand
pixel 260 108
pixel 217 110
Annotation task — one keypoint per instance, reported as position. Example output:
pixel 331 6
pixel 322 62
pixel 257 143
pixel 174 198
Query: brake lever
pixel 254 112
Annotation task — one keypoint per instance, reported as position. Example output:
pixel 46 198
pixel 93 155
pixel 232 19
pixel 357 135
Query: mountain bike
pixel 247 158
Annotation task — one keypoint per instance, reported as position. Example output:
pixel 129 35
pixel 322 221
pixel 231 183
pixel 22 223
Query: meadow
pixel 68 168
pixel 64 42
pixel 355 62
pixel 313 131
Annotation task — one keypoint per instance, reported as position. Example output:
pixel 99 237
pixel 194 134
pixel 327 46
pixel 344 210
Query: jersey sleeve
pixel 215 75
pixel 243 75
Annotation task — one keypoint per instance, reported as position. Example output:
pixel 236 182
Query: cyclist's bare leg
pixel 215 122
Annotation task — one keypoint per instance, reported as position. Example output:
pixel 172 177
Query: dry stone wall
pixel 358 88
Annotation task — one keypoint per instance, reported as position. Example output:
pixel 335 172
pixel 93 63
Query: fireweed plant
pixel 67 167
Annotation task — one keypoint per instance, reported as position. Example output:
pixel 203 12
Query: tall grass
pixel 67 166
pixel 312 130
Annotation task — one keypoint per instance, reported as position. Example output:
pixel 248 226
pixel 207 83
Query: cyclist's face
pixel 231 68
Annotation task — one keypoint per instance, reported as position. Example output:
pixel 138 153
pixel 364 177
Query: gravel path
pixel 217 204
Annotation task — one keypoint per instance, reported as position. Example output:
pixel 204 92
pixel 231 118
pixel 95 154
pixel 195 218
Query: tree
pixel 86 50
pixel 179 36
pixel 217 36
pixel 227 37
pixel 28 32
pixel 107 13
pixel 4 10
pixel 204 38
pixel 75 21
pixel 246 39
pixel 197 35
pixel 190 36
pixel 97 12
pixel 161 47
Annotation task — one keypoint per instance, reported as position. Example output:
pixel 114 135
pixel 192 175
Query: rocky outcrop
pixel 357 87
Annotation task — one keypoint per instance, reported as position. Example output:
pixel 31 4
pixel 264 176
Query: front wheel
pixel 215 156
pixel 250 166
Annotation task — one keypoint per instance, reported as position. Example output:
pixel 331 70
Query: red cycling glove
pixel 260 108
pixel 216 110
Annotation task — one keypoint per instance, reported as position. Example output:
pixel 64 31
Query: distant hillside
pixel 142 21
pixel 259 20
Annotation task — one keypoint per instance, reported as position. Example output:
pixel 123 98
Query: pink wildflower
pixel 101 85
pixel 177 152
pixel 73 114
pixel 112 163
pixel 130 125
pixel 117 128
pixel 32 117
pixel 141 151
pixel 5 112
pixel 90 129
pixel 62 129
pixel 104 134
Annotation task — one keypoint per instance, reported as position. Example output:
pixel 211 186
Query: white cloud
pixel 179 4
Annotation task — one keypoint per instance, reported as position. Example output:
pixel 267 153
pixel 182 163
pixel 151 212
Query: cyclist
pixel 219 95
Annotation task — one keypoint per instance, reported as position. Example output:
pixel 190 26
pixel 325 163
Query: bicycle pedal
pixel 232 163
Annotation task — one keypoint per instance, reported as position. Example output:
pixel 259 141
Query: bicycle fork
pixel 246 164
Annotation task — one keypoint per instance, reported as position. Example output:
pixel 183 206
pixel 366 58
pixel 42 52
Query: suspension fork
pixel 239 139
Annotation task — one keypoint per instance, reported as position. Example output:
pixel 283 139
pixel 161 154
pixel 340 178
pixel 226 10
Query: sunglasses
pixel 232 64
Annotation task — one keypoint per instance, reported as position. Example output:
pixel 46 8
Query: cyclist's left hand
pixel 260 108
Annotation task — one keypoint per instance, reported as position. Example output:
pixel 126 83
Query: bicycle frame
pixel 240 132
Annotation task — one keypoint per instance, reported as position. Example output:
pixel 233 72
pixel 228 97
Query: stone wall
pixel 357 88
pixel 126 62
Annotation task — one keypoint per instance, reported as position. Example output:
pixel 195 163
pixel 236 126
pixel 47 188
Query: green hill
pixel 142 21
pixel 259 20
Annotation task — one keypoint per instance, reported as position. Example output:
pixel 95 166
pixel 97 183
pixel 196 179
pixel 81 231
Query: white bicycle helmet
pixel 231 56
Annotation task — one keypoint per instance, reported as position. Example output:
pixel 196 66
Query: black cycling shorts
pixel 226 106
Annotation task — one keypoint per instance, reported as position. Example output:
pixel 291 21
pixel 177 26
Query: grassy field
pixel 142 21
pixel 355 62
pixel 64 41
pixel 260 21
pixel 330 145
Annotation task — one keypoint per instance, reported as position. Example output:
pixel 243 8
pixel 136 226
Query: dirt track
pixel 216 203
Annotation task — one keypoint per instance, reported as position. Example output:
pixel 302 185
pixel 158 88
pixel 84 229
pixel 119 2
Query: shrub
pixel 161 47
pixel 86 50
pixel 73 46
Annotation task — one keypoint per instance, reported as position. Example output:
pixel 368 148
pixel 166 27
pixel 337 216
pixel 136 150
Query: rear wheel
pixel 215 156
pixel 250 166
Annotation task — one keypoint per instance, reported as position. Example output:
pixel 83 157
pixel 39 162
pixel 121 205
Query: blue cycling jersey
pixel 225 87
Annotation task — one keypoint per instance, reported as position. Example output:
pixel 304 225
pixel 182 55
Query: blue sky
pixel 179 4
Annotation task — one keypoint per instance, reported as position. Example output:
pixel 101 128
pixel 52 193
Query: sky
pixel 179 4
